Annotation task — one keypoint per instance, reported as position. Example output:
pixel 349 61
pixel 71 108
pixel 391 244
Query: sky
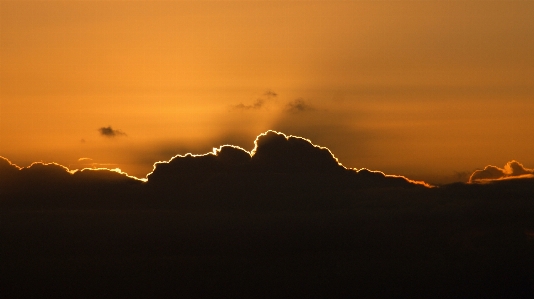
pixel 431 90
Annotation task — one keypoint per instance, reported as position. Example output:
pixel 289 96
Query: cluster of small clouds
pixel 299 105
pixel 512 170
pixel 295 106
pixel 259 103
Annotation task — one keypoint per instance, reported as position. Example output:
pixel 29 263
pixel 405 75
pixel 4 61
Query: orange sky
pixel 425 89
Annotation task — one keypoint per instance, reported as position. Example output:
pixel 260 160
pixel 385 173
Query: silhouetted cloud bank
pixel 281 171
pixel 285 218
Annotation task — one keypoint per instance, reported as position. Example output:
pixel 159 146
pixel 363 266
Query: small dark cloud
pixel 299 105
pixel 110 132
pixel 512 170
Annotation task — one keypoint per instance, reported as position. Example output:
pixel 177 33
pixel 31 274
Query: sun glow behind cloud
pixel 411 87
pixel 512 170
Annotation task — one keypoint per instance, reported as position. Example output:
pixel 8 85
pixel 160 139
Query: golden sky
pixel 427 89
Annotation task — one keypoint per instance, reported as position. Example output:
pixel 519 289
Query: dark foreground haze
pixel 286 220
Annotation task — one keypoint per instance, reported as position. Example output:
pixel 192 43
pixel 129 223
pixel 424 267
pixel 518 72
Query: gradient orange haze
pixel 426 89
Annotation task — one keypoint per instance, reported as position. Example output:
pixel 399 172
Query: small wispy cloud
pixel 259 103
pixel 110 132
pixel 299 105
pixel 270 94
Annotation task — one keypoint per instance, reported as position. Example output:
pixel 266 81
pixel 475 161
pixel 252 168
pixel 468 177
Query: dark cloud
pixel 299 105
pixel 273 152
pixel 280 172
pixel 280 153
pixel 110 132
pixel 512 170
